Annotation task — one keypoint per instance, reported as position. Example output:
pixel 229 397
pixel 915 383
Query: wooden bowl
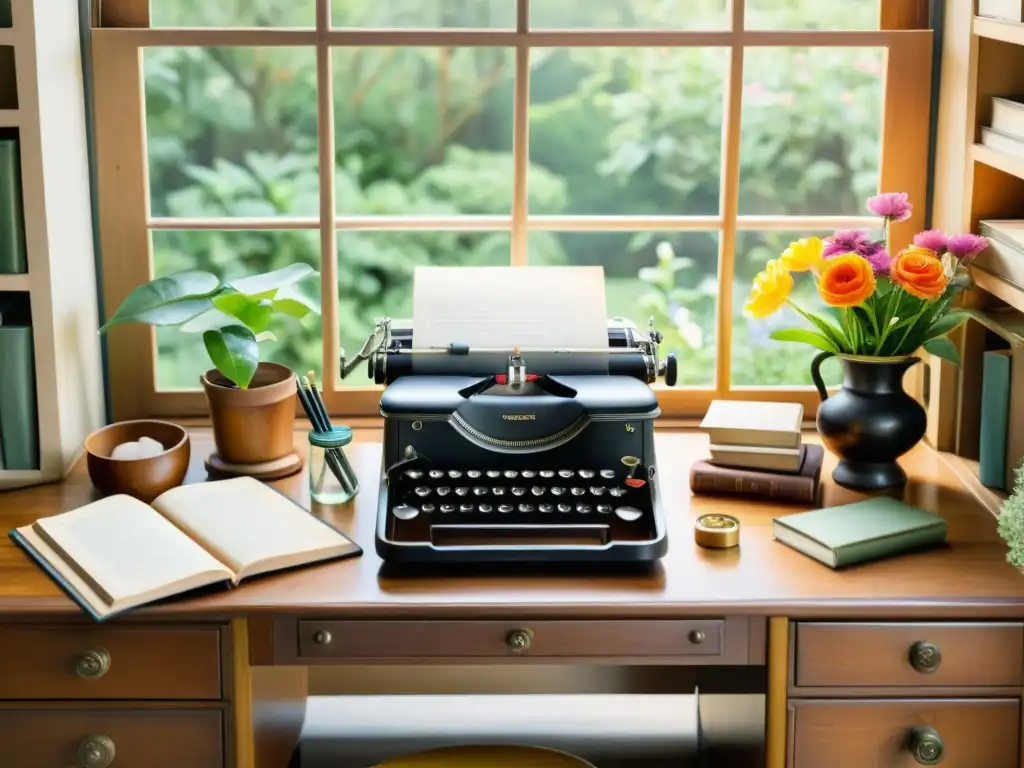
pixel 144 478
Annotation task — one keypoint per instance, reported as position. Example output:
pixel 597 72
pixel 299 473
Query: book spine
pixel 739 483
pixel 6 18
pixel 1015 423
pixel 19 430
pixel 12 229
pixel 995 414
pixel 876 549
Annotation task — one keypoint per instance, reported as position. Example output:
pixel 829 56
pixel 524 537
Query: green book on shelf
pixel 19 432
pixel 6 18
pixel 12 224
pixel 859 532
pixel 995 417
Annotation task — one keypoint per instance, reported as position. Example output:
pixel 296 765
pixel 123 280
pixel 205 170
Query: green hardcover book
pixel 6 18
pixel 19 431
pixel 995 417
pixel 855 533
pixel 12 225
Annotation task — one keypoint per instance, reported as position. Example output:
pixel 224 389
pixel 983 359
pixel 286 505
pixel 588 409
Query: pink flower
pixel 891 205
pixel 847 241
pixel 965 248
pixel 932 239
pixel 880 261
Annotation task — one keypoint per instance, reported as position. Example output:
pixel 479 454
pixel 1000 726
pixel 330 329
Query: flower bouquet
pixel 886 305
pixel 883 308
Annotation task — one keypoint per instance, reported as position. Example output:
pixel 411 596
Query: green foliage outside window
pixel 424 131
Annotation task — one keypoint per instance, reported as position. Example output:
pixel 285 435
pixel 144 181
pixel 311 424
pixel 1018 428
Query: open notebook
pixel 118 553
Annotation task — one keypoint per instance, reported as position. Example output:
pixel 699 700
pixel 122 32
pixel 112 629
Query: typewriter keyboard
pixel 519 495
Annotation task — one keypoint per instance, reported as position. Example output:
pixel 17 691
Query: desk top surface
pixel 968 578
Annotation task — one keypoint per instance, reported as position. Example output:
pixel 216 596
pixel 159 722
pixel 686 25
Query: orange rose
pixel 846 281
pixel 920 272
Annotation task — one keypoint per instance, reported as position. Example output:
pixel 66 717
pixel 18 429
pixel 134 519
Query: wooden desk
pixel 837 645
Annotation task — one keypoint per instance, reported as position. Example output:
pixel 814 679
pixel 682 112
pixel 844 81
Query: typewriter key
pixel 566 473
pixel 604 509
pixel 422 490
pixel 596 490
pixel 587 474
pixel 427 509
pixel 617 492
pixel 565 507
pixel 479 490
pixel 436 474
pixel 510 474
pixel 505 508
pixel 446 508
pixel 462 491
pixel 527 474
pixel 454 474
pixel 583 509
pixel 526 508
pixel 578 491
pixel 538 490
pixel 494 473
pixel 546 508
pixel 443 490
pixel 485 508
pixel 518 491
pixel 629 514
pixel 608 474
pixel 473 474
pixel 405 512
pixel 414 474
pixel 465 507
pixel 557 491
pixel 498 490
pixel 549 473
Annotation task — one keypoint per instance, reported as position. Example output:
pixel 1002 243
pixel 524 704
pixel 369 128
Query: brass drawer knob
pixel 322 637
pixel 926 746
pixel 925 657
pixel 96 752
pixel 697 636
pixel 93 664
pixel 519 640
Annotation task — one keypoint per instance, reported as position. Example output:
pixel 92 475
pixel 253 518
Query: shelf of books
pixel 51 388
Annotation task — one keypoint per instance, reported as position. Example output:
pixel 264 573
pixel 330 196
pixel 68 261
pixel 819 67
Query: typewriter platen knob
pixel 671 369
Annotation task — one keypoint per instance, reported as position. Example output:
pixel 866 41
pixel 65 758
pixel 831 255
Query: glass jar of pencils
pixel 331 479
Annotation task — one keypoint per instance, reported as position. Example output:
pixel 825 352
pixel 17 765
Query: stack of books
pixel 757 449
pixel 1005 132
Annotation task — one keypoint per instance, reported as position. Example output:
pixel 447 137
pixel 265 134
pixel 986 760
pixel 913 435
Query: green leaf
pixel 947 323
pixel 169 300
pixel 829 330
pixel 266 336
pixel 944 348
pixel 234 352
pixel 272 281
pixel 806 337
pixel 212 318
pixel 255 313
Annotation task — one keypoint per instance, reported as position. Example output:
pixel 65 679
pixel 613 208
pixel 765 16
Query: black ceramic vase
pixel 870 422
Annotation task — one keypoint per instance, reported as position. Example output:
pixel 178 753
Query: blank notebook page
pixel 246 522
pixel 126 547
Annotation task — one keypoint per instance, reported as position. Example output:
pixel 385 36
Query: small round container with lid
pixel 331 478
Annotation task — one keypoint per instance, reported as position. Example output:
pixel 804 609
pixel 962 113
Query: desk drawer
pixel 908 654
pixel 98 663
pixel 153 738
pixel 701 641
pixel 969 733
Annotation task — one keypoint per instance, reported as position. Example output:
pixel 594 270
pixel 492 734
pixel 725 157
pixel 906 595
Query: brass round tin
pixel 717 531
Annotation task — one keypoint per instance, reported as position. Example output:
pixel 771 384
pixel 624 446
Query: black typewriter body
pixel 561 471
pixel 536 455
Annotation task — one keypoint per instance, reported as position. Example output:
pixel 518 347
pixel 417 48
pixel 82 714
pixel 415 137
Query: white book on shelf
pixel 1006 10
pixel 1004 256
pixel 1002 142
pixel 1008 115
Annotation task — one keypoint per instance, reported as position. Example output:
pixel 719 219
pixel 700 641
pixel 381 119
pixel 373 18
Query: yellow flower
pixel 803 254
pixel 770 291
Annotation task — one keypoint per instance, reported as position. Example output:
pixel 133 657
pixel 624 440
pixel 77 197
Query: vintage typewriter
pixel 497 455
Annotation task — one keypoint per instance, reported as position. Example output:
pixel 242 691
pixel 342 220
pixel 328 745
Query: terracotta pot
pixel 254 425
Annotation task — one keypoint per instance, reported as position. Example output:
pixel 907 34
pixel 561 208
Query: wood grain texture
pixel 967 578
pixel 856 734
pixel 776 714
pixel 878 654
pixel 145 663
pixel 143 738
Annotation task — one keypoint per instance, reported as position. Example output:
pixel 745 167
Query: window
pixel 677 144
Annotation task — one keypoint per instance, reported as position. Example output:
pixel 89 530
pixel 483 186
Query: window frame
pixel 121 30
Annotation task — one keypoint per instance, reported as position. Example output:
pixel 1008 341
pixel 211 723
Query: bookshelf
pixel 42 102
pixel 980 58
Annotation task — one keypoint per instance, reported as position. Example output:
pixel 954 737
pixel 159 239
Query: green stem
pixel 909 328
pixel 890 308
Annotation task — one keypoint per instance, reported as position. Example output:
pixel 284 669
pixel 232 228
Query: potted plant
pixel 1011 521
pixel 884 307
pixel 251 402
